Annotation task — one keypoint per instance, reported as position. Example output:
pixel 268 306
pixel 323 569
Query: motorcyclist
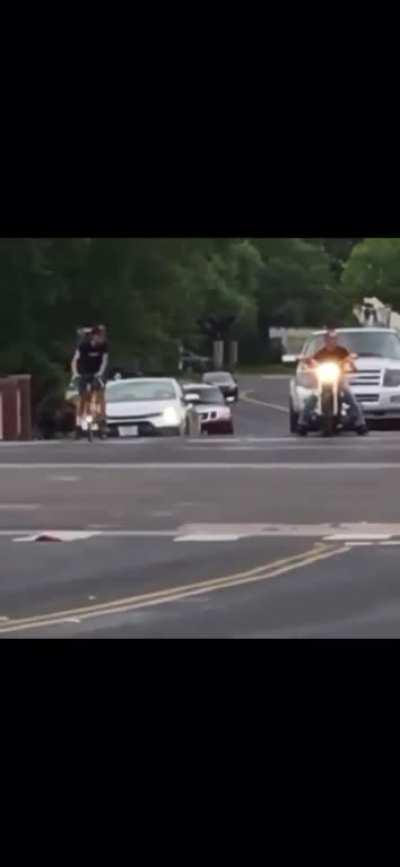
pixel 332 351
pixel 89 365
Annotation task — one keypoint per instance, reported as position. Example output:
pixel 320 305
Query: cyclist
pixel 89 366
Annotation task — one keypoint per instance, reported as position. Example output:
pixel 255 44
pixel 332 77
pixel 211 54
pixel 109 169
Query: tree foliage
pixel 373 269
pixel 150 292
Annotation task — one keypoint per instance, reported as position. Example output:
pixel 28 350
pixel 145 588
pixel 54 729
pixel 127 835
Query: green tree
pixel 150 292
pixel 373 269
pixel 296 285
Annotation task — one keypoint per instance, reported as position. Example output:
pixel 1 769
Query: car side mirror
pixel 290 359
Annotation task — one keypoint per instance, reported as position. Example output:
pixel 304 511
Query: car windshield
pixel 120 392
pixel 207 395
pixel 378 344
pixel 223 378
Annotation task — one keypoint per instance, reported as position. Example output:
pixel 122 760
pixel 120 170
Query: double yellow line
pixel 319 552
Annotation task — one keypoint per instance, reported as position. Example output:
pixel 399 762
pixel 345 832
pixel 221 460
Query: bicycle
pixel 92 415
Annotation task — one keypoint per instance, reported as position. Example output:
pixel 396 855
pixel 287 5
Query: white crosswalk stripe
pixel 357 534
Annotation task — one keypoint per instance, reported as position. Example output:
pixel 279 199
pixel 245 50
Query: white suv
pixel 376 385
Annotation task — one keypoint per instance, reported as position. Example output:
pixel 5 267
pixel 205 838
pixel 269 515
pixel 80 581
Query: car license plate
pixel 129 430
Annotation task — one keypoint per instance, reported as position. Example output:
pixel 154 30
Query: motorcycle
pixel 330 414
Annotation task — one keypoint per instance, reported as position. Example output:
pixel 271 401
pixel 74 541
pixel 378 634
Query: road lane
pixel 38 579
pixel 206 486
pixel 337 598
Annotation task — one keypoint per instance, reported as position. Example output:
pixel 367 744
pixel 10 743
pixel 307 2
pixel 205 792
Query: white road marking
pixel 173 467
pixel 162 514
pixel 348 537
pixel 106 533
pixel 151 441
pixel 346 530
pixel 19 507
pixel 245 397
pixel 208 537
pixel 22 443
pixel 277 376
pixel 68 441
pixel 253 447
pixel 220 442
pixel 363 532
pixel 64 478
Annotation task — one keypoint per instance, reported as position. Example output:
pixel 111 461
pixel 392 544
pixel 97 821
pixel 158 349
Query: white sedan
pixel 146 407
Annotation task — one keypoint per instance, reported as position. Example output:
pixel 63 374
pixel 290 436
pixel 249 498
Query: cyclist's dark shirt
pixel 91 357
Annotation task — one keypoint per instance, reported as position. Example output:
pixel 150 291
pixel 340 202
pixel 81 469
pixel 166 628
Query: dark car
pixel 191 361
pixel 226 382
pixel 210 405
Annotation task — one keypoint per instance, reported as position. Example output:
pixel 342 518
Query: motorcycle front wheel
pixel 328 418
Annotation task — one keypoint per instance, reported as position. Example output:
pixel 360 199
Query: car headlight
pixel 170 416
pixel 392 378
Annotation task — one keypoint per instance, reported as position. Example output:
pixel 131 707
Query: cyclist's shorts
pixel 86 378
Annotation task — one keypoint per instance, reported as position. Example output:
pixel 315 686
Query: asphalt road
pixel 256 535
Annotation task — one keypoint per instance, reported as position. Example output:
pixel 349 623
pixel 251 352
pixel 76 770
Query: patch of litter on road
pixel 59 536
pixel 46 538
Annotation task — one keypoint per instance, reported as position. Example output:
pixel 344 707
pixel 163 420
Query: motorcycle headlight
pixel 392 378
pixel 329 373
pixel 170 416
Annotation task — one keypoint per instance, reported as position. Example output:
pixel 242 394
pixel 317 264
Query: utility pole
pixel 217 328
pixel 233 354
